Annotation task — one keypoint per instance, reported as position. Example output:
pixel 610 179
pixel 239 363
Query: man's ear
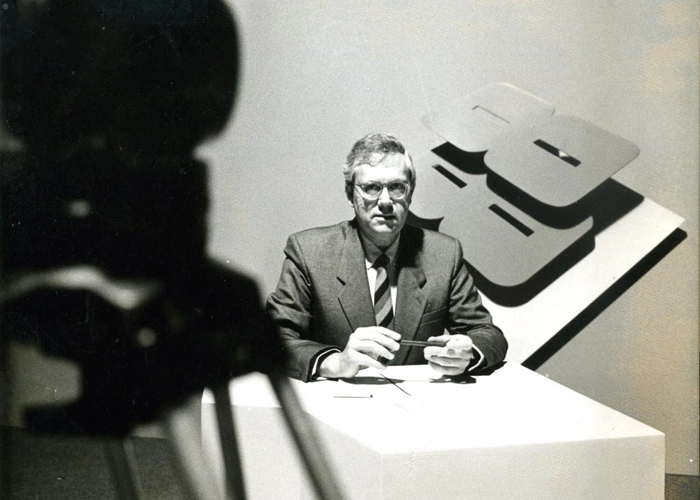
pixel 349 195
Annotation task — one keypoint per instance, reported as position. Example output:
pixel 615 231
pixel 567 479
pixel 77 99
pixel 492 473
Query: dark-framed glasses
pixel 373 190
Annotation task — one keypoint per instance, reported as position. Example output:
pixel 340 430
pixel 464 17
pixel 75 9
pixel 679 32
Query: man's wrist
pixel 334 366
pixel 319 359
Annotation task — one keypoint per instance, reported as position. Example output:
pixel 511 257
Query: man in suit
pixel 350 293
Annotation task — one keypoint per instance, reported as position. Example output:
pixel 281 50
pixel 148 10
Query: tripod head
pixel 104 206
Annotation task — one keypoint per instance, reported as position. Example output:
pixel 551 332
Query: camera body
pixel 103 223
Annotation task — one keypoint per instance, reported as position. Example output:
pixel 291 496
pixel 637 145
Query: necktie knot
pixel 382 261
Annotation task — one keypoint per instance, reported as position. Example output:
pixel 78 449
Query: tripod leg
pixel 5 457
pixel 184 435
pixel 5 386
pixel 307 441
pixel 235 487
pixel 122 463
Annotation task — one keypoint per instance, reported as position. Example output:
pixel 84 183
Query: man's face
pixel 381 219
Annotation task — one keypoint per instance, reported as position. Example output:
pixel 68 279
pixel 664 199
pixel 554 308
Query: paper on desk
pixel 418 389
pixel 318 393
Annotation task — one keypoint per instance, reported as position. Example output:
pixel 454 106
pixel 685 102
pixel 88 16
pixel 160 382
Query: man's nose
pixel 385 200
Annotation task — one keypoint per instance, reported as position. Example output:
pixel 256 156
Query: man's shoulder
pixel 324 236
pixel 428 247
pixel 321 232
pixel 321 245
pixel 428 236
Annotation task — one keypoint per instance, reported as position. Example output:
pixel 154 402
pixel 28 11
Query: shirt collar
pixel 372 251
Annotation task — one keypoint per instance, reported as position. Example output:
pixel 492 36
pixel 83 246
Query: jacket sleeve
pixel 468 316
pixel 290 307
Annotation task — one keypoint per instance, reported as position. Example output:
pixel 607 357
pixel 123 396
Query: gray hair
pixel 371 150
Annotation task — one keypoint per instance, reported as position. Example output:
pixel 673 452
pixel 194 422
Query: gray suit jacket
pixel 323 295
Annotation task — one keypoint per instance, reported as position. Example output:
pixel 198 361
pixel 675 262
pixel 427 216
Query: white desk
pixel 513 434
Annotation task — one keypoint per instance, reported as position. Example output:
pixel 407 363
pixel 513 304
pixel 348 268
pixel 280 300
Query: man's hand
pixel 452 359
pixel 365 346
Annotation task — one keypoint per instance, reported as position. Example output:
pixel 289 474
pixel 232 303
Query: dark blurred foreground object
pixel 106 102
pixel 104 209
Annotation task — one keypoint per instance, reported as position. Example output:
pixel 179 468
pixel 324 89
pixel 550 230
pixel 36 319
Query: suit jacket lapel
pixel 410 299
pixel 355 298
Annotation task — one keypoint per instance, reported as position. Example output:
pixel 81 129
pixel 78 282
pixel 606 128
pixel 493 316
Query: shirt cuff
pixel 318 359
pixel 476 361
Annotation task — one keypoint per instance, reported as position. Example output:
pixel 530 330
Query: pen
pixel 414 343
pixel 422 343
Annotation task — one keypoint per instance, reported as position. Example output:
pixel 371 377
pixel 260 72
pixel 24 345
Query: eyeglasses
pixel 373 190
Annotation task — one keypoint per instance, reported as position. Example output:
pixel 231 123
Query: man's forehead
pixel 384 160
pixel 382 173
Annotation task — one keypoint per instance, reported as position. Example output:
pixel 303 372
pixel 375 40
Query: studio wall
pixel 318 75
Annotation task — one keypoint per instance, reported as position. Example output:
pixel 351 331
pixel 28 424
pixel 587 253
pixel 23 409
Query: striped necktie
pixel 383 310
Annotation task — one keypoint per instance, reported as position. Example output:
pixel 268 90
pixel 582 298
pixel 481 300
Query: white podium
pixel 512 434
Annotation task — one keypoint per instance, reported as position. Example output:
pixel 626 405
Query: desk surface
pixel 510 432
pixel 513 406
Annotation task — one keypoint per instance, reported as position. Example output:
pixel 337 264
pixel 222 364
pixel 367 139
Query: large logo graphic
pixel 525 190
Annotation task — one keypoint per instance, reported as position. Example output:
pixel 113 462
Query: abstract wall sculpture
pixel 526 191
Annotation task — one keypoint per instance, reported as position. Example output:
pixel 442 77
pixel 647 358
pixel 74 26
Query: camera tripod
pixel 163 359
pixel 197 479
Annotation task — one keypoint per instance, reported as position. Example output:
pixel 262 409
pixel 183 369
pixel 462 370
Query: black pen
pixel 415 343
pixel 422 343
